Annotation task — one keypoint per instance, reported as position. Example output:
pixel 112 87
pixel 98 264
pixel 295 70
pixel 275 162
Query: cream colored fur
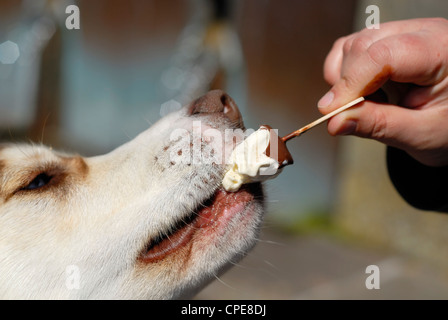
pixel 81 237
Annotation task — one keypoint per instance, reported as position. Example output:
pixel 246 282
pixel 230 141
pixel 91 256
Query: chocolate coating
pixel 279 150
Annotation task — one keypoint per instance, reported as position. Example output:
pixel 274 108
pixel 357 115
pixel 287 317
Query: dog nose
pixel 217 101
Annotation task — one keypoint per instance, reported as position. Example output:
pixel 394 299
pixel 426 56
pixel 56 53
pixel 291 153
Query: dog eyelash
pixel 39 181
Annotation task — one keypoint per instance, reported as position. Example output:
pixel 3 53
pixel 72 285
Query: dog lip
pixel 168 244
pixel 221 204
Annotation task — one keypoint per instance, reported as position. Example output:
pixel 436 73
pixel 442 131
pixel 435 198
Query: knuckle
pixel 379 53
pixel 348 82
pixel 357 44
pixel 360 44
pixel 347 46
pixel 340 41
pixel 378 130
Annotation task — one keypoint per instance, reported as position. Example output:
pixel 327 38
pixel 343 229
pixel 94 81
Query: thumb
pixel 393 125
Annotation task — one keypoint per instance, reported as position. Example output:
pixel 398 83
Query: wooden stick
pixel 320 120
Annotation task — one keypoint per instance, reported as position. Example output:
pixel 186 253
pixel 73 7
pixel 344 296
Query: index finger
pixel 412 57
pixel 360 41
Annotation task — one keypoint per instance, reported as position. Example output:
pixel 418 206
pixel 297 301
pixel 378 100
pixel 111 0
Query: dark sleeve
pixel 423 187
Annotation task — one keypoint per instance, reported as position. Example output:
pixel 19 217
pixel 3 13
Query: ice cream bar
pixel 279 150
pixel 261 156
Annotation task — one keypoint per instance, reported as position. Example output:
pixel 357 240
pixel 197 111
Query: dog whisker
pixel 43 128
pixel 272 265
pixel 271 242
pixel 149 122
pixel 224 283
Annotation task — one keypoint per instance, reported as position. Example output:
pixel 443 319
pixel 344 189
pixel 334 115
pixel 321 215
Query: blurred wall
pixel 285 44
pixel 112 69
pixel 368 205
pixel 100 86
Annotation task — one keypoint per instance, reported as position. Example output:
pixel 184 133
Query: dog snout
pixel 217 102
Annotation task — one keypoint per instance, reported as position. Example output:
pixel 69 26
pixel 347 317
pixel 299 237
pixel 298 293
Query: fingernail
pixel 347 127
pixel 326 100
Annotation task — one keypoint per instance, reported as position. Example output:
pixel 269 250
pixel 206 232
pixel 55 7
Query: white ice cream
pixel 249 163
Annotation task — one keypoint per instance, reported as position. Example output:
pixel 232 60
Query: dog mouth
pixel 214 213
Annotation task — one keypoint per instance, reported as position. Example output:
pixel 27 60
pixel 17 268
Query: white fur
pixel 97 222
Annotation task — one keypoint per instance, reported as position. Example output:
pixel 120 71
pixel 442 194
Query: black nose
pixel 219 102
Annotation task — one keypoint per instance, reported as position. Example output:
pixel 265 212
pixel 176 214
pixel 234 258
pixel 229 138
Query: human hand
pixel 411 58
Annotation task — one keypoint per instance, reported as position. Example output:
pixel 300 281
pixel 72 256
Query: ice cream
pixel 261 156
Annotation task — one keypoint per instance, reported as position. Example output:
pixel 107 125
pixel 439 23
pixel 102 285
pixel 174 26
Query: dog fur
pixel 94 218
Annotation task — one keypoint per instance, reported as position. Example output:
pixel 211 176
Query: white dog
pixel 136 223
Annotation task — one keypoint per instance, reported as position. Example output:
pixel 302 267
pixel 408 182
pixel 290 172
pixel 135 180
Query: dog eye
pixel 38 182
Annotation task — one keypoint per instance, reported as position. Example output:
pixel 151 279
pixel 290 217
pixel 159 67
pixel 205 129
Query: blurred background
pixel 331 215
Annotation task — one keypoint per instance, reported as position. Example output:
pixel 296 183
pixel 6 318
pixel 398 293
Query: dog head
pixel 147 220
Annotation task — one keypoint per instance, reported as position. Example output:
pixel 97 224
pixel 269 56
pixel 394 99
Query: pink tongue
pixel 221 202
